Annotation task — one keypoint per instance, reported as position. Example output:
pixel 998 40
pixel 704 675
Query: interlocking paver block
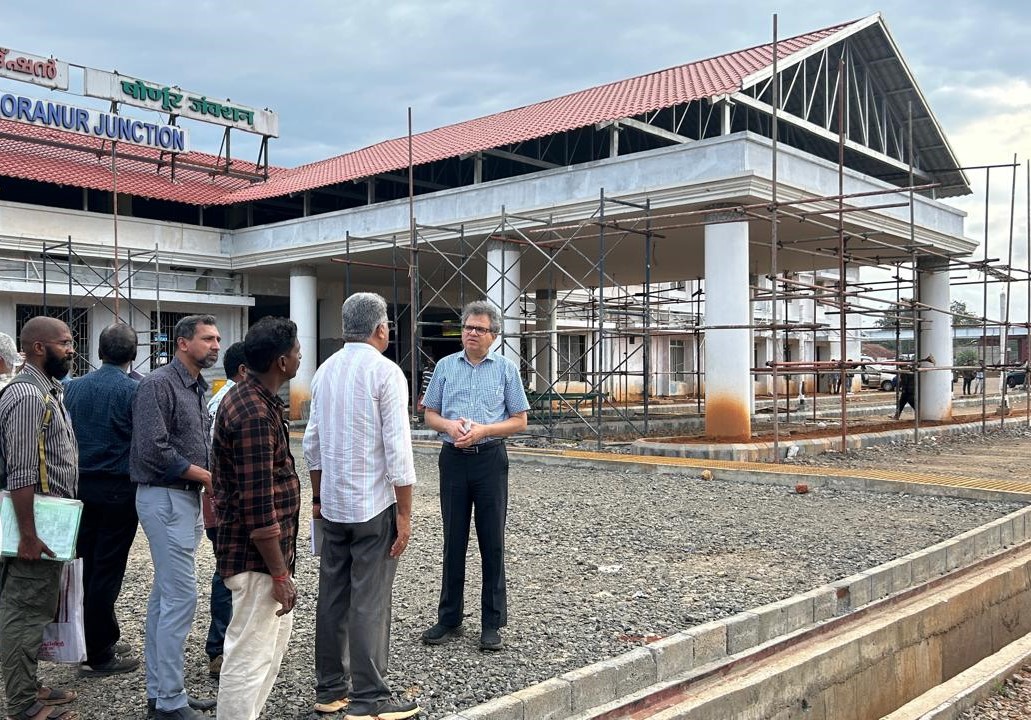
pixel 634 670
pixel 592 685
pixel 502 708
pixel 673 655
pixel 710 642
pixel 548 700
pixel 742 632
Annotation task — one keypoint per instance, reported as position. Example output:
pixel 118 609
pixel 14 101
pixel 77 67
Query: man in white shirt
pixel 358 447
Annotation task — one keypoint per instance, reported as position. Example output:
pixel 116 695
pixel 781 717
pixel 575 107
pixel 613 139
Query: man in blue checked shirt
pixel 474 401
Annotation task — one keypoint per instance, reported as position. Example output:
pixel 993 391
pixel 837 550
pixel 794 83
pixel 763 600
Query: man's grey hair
pixel 9 351
pixel 483 307
pixel 363 313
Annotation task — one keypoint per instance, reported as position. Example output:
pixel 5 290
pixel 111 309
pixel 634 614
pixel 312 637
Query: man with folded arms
pixel 358 446
pixel 257 507
pixel 474 401
pixel 169 463
pixel 30 407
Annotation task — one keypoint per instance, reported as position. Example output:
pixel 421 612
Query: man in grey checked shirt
pixel 169 463
pixel 474 401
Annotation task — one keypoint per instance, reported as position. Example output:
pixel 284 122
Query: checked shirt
pixel 256 490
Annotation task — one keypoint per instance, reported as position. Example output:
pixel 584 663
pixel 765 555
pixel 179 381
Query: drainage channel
pixel 861 666
pixel 855 649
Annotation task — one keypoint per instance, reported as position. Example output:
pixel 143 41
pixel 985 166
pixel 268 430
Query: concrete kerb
pixel 578 691
pixel 763 451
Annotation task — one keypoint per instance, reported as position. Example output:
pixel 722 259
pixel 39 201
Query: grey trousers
pixel 29 591
pixel 172 522
pixel 352 617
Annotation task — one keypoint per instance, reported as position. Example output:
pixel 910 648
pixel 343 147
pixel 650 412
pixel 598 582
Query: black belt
pixel 187 485
pixel 475 449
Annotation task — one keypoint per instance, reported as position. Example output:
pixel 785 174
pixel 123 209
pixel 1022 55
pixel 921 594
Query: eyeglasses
pixel 391 325
pixel 66 344
pixel 476 330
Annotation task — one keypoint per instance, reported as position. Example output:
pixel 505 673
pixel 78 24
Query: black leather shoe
pixel 115 666
pixel 440 634
pixel 191 702
pixel 183 713
pixel 490 639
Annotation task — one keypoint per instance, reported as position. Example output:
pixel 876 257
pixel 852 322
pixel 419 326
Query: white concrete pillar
pixel 545 345
pixel 935 390
pixel 303 310
pixel 764 353
pixel 728 352
pixel 503 291
pixel 331 321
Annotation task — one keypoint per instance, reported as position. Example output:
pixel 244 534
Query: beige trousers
pixel 255 643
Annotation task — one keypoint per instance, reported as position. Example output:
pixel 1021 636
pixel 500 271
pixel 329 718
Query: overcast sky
pixel 341 75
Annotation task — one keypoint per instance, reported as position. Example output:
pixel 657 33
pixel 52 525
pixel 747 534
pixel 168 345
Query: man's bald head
pixel 42 329
pixel 48 346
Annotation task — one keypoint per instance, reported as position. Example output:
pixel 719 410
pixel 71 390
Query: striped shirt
pixel 486 393
pixel 21 414
pixel 358 433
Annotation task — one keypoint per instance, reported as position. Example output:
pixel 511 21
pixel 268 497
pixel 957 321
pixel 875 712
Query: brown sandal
pixel 55 696
pixel 39 711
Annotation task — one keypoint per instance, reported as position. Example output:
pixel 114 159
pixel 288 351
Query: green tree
pixel 960 316
pixel 966 358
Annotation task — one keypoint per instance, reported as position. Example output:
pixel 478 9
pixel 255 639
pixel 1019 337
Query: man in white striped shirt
pixel 358 447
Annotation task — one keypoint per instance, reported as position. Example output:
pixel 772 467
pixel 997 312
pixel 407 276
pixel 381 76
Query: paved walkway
pixel 923 478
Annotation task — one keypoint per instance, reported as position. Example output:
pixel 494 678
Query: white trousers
pixel 255 643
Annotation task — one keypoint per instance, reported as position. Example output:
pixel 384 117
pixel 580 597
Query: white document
pixel 316 536
pixel 57 525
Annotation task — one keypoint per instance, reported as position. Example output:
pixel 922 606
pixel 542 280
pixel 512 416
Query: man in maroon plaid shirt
pixel 257 505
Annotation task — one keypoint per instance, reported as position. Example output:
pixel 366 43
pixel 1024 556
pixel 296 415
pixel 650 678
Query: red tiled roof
pixel 88 164
pixel 625 98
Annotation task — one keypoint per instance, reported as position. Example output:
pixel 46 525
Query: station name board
pixel 172 100
pixel 93 123
pixel 46 72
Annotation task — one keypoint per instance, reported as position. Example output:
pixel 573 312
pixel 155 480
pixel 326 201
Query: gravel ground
pixel 1012 701
pixel 598 561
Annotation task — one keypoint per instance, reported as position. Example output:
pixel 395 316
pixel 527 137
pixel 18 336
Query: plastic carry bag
pixel 64 639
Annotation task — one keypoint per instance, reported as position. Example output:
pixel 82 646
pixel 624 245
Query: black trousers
pixel 905 398
pixel 106 534
pixel 469 482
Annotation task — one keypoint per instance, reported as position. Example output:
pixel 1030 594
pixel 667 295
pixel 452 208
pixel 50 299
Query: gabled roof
pixel 613 101
pixel 709 78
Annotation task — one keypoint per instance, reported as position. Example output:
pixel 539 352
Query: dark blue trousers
pixel 106 533
pixel 221 610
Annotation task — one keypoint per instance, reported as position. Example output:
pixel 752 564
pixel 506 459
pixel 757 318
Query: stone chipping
pixel 599 561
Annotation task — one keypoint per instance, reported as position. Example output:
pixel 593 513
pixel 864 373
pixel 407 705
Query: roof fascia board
pixel 819 46
pixel 743 99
